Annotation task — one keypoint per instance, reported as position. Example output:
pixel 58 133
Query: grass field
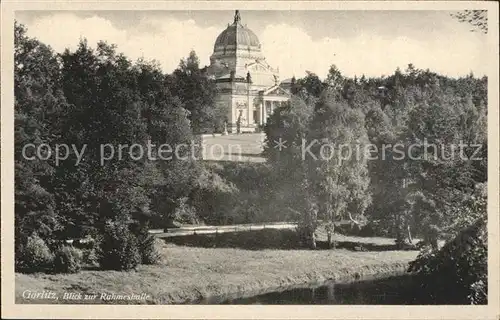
pixel 192 273
pixel 234 147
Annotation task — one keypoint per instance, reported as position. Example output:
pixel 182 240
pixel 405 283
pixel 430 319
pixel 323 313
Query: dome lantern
pixel 237 35
pixel 237 17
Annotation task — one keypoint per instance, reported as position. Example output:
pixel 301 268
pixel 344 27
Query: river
pixel 393 290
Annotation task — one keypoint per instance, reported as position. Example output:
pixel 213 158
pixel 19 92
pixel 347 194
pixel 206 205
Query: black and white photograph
pixel 244 155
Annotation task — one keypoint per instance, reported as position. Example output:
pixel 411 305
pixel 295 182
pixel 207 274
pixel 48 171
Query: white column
pixel 264 103
pixel 230 114
pixel 250 107
pixel 261 113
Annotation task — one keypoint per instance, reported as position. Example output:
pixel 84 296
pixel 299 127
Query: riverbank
pixel 194 273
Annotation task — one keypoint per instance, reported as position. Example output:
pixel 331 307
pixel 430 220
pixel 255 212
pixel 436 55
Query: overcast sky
pixel 373 43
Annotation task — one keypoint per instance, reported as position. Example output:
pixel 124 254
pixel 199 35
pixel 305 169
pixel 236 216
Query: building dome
pixel 236 35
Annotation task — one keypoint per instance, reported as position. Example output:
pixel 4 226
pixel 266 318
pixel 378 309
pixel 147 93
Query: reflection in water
pixel 398 290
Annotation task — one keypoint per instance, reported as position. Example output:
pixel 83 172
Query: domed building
pixel 247 85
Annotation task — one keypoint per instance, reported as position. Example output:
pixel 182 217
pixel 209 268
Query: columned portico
pixel 271 99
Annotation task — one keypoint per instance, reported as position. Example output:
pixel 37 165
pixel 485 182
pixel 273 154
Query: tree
pixel 101 103
pixel 170 178
pixel 404 195
pixel 338 172
pixel 311 84
pixel 106 113
pixel 38 104
pixel 334 79
pixel 388 176
pixel 197 95
pixel 443 172
pixel 478 19
pixel 458 272
pixel 290 125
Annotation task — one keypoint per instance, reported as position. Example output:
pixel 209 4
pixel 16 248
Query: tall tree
pixel 167 124
pixel 389 208
pixel 286 131
pixel 334 79
pixel 311 84
pixel 442 170
pixel 107 112
pixel 38 104
pixel 337 165
pixel 197 93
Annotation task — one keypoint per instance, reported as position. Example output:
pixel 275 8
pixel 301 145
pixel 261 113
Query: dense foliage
pixel 68 259
pixel 425 176
pixel 96 100
pixel 34 255
pixel 197 93
pixel 415 122
pixel 106 118
pixel 119 248
pixel 458 272
pixel 149 248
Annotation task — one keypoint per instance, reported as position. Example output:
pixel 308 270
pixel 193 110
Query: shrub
pixel 34 255
pixel 150 248
pixel 247 240
pixel 68 259
pixel 118 249
pixel 90 257
pixel 185 213
pixel 374 229
pixel 457 272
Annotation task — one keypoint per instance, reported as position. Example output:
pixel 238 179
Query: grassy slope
pixel 189 273
pixel 241 148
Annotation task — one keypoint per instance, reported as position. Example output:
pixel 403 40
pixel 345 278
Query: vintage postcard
pixel 329 160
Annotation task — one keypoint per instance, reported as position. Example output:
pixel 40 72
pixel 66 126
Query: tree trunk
pixel 307 237
pixel 352 220
pixel 399 233
pixel 312 240
pixel 434 243
pixel 330 231
pixel 329 237
pixel 410 239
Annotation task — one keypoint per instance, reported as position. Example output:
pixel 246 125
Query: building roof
pixel 237 34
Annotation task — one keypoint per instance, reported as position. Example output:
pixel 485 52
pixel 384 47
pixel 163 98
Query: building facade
pixel 247 85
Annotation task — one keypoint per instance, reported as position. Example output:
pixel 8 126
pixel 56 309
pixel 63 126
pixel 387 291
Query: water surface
pixel 394 290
